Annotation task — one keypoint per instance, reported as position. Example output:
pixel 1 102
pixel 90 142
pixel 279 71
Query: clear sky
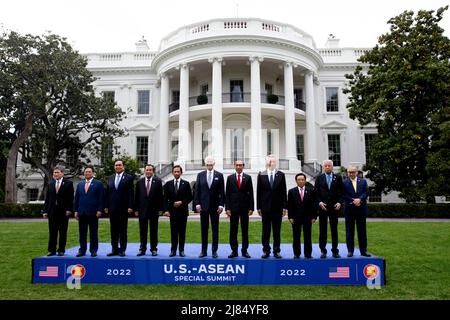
pixel 115 25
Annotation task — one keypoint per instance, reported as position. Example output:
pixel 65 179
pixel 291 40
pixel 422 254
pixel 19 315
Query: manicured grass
pixel 417 254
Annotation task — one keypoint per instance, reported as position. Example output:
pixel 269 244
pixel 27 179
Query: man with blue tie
pixel 88 206
pixel 209 200
pixel 271 203
pixel 329 191
pixel 119 204
pixel 355 211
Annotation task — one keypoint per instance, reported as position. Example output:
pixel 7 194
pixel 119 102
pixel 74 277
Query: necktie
pixel 117 181
pixel 354 184
pixel 148 186
pixel 86 186
pixel 239 181
pixel 329 181
pixel 209 179
pixel 57 186
pixel 302 193
pixel 271 180
pixel 176 186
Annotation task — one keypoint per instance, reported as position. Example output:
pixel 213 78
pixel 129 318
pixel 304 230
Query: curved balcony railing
pixel 240 97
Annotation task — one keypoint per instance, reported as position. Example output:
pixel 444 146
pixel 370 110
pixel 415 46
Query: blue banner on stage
pixel 192 270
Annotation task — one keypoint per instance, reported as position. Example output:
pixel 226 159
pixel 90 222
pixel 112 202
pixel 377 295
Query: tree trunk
pixel 11 165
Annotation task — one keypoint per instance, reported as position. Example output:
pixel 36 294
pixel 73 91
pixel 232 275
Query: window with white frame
pixel 142 150
pixel 143 102
pixel 332 99
pixel 334 149
pixel 368 141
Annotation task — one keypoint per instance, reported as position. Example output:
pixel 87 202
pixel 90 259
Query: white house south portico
pixel 233 89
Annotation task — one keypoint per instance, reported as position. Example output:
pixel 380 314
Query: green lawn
pixel 417 254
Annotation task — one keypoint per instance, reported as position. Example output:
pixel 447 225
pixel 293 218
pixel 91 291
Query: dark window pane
pixel 142 150
pixel 332 100
pixel 300 148
pixel 143 102
pixel 334 149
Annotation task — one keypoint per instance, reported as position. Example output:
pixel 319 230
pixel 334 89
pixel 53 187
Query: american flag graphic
pixel 48 271
pixel 339 272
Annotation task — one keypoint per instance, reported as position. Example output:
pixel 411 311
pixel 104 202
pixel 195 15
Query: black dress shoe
pixel 365 254
pixel 202 255
pixel 233 255
pixel 154 253
pixel 246 255
pixel 93 254
pixel 80 254
pixel 350 254
pixel 111 254
pixel 308 257
pixel 50 254
pixel 323 255
pixel 277 255
pixel 172 254
pixel 182 254
pixel 214 255
pixel 121 254
pixel 296 256
pixel 141 253
pixel 336 255
pixel 265 255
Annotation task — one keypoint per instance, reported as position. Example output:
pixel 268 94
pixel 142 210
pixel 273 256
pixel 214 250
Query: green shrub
pixel 18 210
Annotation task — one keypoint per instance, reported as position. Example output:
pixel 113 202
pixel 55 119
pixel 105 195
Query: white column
pixel 164 121
pixel 311 142
pixel 216 125
pixel 198 135
pixel 289 113
pixel 256 159
pixel 183 117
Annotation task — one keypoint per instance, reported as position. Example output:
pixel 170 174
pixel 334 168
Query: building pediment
pixel 141 127
pixel 334 124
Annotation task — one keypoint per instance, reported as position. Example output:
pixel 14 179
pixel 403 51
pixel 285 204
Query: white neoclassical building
pixel 235 89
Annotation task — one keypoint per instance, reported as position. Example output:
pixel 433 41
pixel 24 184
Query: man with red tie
pixel 239 205
pixel 355 210
pixel 88 207
pixel 302 212
pixel 149 204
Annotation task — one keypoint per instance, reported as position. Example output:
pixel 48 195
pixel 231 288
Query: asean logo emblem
pixel 78 271
pixel 371 271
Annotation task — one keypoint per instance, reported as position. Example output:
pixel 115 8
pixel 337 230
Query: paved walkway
pixel 254 217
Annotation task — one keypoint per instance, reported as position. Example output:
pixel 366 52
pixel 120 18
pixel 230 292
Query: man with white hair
pixel 209 200
pixel 329 191
pixel 271 205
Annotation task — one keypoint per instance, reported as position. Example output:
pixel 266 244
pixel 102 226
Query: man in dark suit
pixel 329 191
pixel 149 204
pixel 302 212
pixel 58 208
pixel 177 196
pixel 355 210
pixel 209 200
pixel 119 204
pixel 239 205
pixel 88 206
pixel 272 205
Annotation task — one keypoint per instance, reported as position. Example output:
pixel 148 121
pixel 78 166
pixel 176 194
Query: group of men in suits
pixel 149 199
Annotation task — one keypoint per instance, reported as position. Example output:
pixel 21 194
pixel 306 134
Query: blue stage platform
pixel 163 269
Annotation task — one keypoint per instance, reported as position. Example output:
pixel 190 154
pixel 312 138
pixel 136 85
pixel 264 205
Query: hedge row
pixel 376 210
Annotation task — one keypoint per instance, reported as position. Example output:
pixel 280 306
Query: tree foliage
pixel 48 105
pixel 404 88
